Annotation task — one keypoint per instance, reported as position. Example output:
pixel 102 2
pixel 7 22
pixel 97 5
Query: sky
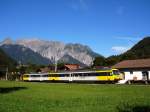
pixel 108 27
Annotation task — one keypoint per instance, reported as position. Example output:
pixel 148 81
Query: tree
pixel 99 61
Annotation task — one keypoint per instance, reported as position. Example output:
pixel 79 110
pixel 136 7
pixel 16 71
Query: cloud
pixel 79 5
pixel 130 42
pixel 120 49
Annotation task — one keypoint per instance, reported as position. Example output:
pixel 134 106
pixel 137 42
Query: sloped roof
pixel 139 63
pixel 72 66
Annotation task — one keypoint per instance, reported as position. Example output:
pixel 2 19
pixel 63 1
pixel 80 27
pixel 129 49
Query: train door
pixel 109 76
pixel 74 78
pixel 70 77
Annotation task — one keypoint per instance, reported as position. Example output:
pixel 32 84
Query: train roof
pixel 75 71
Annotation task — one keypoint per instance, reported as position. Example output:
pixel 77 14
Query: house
pixel 71 66
pixel 135 70
pixel 65 67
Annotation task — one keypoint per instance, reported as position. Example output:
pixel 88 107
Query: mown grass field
pixel 51 97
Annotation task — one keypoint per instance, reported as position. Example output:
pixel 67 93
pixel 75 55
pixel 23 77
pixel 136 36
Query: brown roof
pixel 72 66
pixel 139 63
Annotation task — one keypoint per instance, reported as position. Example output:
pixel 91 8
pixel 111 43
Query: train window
pixel 131 72
pixel 104 74
pixel 92 74
pixel 79 74
pixel 116 72
pixel 50 75
pixel 109 73
pixel 66 75
pixel 26 76
pixel 34 75
pixel 56 75
pixel 86 74
pixel 62 75
pixel 44 75
pixel 76 75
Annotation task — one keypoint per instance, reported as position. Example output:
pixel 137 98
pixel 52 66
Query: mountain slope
pixel 68 59
pixel 24 55
pixel 5 60
pixel 138 51
pixel 55 50
pixel 141 49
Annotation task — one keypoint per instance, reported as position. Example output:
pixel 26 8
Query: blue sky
pixel 106 26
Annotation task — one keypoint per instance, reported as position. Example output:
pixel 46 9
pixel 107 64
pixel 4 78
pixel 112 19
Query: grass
pixel 56 97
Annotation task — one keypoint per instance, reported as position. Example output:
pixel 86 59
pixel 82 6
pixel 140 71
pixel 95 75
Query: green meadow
pixel 61 97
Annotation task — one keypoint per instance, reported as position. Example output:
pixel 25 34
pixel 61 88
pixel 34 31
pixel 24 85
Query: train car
pixel 111 75
pixel 36 77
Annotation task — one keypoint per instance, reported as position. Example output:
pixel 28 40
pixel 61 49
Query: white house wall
pixel 136 75
pixel 128 76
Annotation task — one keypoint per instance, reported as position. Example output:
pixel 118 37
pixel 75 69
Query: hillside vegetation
pixel 24 55
pixel 5 60
pixel 138 51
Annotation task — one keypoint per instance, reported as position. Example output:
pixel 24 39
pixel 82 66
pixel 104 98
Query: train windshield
pixel 116 72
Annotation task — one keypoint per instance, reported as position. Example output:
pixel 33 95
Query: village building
pixel 71 66
pixel 135 70
pixel 66 67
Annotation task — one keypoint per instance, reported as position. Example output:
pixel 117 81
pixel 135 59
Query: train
pixel 104 75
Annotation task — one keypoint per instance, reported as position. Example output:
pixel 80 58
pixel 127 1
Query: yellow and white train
pixel 111 75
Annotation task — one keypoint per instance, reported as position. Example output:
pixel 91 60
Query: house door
pixel 145 75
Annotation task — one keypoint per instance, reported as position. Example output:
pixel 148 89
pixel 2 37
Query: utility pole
pixel 55 65
pixel 6 73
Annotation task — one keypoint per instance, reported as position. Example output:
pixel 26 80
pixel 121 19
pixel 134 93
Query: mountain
pixel 141 49
pixel 54 50
pixel 7 41
pixel 68 59
pixel 24 55
pixel 138 51
pixel 5 60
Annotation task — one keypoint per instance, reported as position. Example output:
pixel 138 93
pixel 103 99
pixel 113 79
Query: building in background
pixel 135 70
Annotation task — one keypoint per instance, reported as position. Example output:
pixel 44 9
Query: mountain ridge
pixel 24 55
pixel 140 50
pixel 55 50
pixel 5 60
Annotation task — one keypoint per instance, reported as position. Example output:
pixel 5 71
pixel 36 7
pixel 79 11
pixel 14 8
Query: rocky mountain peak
pixel 55 50
pixel 7 41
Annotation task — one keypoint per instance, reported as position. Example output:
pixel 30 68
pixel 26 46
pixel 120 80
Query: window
pixel 116 72
pixel 104 74
pixel 26 76
pixel 131 72
pixel 53 75
pixel 35 75
pixel 66 75
pixel 44 75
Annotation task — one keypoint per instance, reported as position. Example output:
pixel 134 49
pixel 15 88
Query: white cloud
pixel 130 41
pixel 120 49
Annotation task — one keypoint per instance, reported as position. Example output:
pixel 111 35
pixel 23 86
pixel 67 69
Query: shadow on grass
pixel 125 107
pixel 4 90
